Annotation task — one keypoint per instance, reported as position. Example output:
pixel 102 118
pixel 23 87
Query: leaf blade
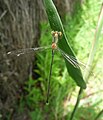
pixel 56 25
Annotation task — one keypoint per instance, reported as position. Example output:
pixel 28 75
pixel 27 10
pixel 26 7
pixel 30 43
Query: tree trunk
pixel 19 28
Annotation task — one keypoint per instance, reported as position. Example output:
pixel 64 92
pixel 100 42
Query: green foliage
pixel 91 57
pixel 63 91
pixel 34 95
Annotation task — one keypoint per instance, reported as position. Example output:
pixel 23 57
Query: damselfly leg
pixel 49 78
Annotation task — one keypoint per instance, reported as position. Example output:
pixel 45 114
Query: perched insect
pixel 55 38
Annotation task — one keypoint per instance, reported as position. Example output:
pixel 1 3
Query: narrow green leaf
pixel 95 42
pixel 90 60
pixel 56 25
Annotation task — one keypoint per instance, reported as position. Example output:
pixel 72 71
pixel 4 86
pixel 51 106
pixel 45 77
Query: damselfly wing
pixel 55 34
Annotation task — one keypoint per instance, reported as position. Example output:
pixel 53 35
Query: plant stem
pixel 99 115
pixel 77 103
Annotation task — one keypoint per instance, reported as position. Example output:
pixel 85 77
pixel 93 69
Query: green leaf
pixel 56 25
pixel 95 41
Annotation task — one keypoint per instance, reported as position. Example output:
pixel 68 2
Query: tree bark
pixel 67 7
pixel 19 28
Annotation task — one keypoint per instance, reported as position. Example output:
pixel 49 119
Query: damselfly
pixel 55 37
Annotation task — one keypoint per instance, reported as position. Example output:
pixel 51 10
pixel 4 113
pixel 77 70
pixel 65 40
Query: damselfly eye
pixel 53 33
pixel 60 33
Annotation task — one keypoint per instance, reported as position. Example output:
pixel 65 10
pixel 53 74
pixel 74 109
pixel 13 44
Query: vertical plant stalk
pixel 95 42
pixel 91 57
pixel 99 115
pixel 49 79
pixel 77 103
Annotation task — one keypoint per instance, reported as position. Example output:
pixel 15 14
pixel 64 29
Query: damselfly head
pixel 56 33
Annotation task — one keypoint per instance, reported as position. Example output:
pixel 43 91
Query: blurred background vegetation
pixel 27 98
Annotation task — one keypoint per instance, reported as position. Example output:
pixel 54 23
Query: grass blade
pixel 56 25
pixel 91 57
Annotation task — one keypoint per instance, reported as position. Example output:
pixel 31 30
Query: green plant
pixel 91 57
pixel 56 25
pixel 62 86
